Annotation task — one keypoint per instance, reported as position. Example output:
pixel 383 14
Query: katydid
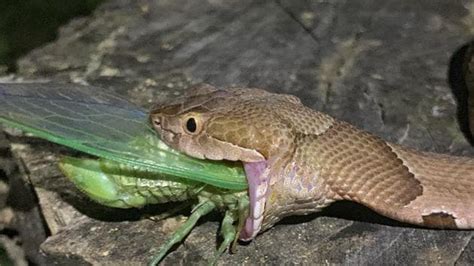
pixel 133 166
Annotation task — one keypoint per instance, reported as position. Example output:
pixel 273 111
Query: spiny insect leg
pixel 183 231
pixel 228 232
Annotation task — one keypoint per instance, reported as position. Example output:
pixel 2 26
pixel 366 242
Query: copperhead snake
pixel 298 160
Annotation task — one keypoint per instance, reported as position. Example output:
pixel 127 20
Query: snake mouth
pixel 258 181
pixel 255 166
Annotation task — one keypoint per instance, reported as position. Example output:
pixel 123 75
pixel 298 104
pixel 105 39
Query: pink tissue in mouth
pixel 254 172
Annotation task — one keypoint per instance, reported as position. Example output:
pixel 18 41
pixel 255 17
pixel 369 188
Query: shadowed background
pixel 381 66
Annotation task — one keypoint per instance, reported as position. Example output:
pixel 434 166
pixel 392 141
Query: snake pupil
pixel 191 125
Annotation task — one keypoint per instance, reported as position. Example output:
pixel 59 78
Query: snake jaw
pixel 258 180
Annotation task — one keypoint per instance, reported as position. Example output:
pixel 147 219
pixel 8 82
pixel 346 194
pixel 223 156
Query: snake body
pixel 299 160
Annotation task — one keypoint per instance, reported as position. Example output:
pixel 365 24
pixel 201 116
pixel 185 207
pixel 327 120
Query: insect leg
pixel 184 230
pixel 228 232
pixel 243 212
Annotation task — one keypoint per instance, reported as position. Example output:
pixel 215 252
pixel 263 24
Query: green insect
pixel 134 167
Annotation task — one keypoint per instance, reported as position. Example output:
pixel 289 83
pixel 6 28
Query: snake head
pixel 238 124
pixel 210 123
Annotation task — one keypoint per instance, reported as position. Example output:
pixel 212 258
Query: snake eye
pixel 191 125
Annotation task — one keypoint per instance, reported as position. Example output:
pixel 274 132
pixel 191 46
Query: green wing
pixel 99 123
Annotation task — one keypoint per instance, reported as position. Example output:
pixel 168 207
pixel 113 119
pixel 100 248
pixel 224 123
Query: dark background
pixel 383 66
pixel 27 24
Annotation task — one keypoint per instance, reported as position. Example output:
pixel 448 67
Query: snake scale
pixel 298 160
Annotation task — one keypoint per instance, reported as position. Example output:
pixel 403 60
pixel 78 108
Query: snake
pixel 298 160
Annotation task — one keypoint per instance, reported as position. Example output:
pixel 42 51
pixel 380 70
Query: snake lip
pixel 258 181
pixel 168 136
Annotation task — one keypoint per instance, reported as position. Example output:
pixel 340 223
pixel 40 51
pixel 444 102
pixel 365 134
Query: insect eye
pixel 191 125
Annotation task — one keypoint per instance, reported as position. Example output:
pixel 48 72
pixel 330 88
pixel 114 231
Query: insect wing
pixel 100 123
